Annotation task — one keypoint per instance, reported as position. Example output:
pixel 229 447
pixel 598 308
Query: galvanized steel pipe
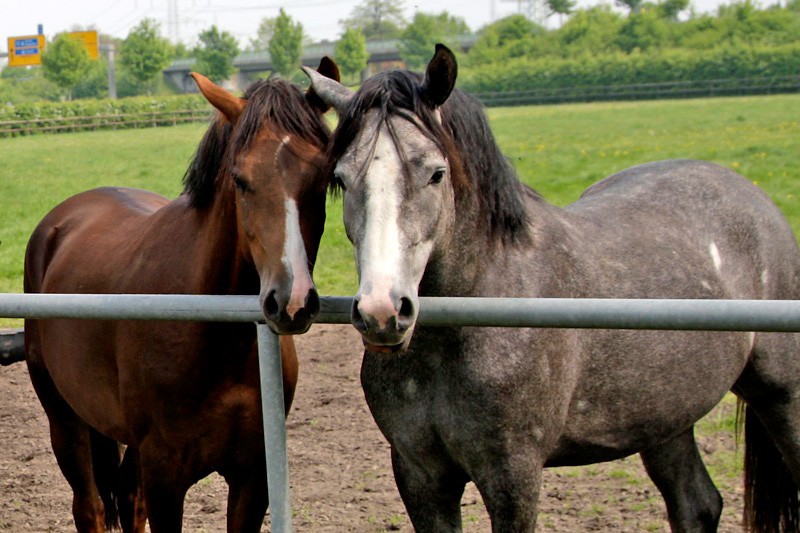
pixel 272 413
pixel 713 315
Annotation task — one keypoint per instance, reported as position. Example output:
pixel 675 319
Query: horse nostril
pixel 356 318
pixel 405 316
pixel 271 308
pixel 312 303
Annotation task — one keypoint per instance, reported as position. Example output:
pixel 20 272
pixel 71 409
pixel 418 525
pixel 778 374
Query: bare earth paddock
pixel 339 465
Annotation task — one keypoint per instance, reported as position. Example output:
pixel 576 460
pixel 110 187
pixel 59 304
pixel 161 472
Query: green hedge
pixel 98 113
pixel 624 69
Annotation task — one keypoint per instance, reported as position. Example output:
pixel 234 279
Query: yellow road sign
pixel 25 50
pixel 89 40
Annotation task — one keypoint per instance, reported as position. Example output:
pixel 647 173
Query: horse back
pixel 697 229
pixel 83 234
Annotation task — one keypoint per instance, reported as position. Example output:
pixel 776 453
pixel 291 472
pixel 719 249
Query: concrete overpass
pixel 383 55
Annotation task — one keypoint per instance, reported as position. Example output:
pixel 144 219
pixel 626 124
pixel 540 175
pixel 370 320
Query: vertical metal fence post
pixel 273 412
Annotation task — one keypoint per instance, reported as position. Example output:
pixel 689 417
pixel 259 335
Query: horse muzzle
pixel 385 325
pixel 288 315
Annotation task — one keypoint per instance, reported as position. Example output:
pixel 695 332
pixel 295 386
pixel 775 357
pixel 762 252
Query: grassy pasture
pixel 559 150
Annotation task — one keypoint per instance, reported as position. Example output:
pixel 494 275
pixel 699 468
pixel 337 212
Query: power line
pixel 123 21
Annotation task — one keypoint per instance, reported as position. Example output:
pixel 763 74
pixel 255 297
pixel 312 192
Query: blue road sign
pixel 20 43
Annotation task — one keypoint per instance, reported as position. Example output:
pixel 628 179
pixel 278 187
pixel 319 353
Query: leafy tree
pixel 590 31
pixel 263 34
pixel 215 54
pixel 419 38
pixel 94 83
pixel 144 54
pixel 179 51
pixel 351 52
pixel 509 37
pixel 565 7
pixel 671 8
pixel 377 19
pixel 65 62
pixel 633 5
pixel 643 31
pixel 286 44
pixel 513 28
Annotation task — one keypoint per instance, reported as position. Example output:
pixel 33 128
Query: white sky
pixel 320 18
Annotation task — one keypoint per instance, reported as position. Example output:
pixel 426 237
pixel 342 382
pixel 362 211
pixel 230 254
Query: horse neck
pixel 474 263
pixel 221 267
pixel 456 267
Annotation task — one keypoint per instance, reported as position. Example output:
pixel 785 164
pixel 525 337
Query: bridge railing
pixel 717 315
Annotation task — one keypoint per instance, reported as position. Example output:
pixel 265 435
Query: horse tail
pixel 770 492
pixel 105 464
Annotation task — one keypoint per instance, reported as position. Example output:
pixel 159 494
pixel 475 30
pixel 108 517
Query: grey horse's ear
pixel 328 68
pixel 329 90
pixel 440 78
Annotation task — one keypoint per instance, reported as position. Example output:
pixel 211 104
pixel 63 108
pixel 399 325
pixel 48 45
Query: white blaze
pixel 295 259
pixel 379 254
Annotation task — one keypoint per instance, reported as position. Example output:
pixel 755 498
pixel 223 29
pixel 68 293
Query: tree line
pixel 644 27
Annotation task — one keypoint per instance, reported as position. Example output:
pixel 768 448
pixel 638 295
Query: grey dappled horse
pixel 433 208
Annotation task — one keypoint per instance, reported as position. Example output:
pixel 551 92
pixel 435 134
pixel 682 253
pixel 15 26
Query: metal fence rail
pixel 718 315
pixel 715 315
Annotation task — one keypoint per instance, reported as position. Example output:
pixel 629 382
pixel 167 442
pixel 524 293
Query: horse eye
pixel 438 176
pixel 241 184
pixel 337 179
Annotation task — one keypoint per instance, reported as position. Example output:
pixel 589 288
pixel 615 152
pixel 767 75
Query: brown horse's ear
pixel 440 78
pixel 229 105
pixel 328 68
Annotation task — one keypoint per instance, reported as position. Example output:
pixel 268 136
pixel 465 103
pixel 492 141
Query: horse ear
pixel 229 105
pixel 328 68
pixel 326 87
pixel 440 78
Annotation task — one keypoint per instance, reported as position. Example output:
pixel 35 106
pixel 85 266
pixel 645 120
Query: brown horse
pixel 183 397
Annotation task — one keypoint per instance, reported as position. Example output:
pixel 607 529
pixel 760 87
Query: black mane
pixel 285 109
pixel 480 171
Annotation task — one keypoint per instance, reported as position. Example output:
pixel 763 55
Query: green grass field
pixel 559 150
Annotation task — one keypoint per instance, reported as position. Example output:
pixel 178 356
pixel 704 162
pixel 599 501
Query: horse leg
pixel 247 500
pixel 693 503
pixel 105 465
pixel 433 500
pixel 770 384
pixel 510 481
pixel 71 441
pixel 132 512
pixel 164 487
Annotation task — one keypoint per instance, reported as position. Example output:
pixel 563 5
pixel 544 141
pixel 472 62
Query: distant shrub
pixel 97 114
pixel 728 62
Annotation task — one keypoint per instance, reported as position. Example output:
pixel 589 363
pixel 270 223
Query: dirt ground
pixel 338 462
